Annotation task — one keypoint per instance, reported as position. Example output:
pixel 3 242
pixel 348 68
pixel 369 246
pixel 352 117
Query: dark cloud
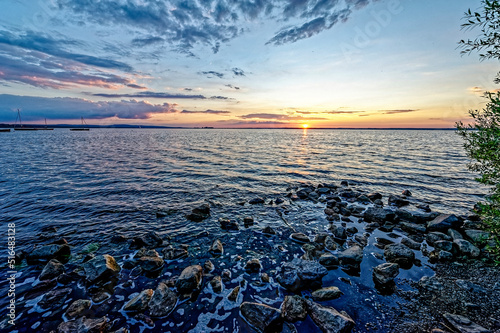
pixel 238 71
pixel 211 74
pixel 232 87
pixel 150 94
pixel 327 112
pixel 46 71
pixel 188 89
pixel 183 24
pixel 220 97
pixel 235 123
pixel 397 111
pixel 275 116
pixel 37 108
pixel 49 45
pixel 207 111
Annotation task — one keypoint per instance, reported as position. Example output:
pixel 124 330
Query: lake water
pixel 93 185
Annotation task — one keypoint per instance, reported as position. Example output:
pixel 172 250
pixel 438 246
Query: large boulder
pixel 328 260
pixel 100 267
pixel 301 274
pixel 412 228
pixel 330 320
pixel 190 279
pixel 477 236
pixel 227 224
pixel 374 214
pixel 444 222
pixel 149 240
pixel 262 317
pixel 199 213
pixel 398 201
pixel 352 256
pixel 171 253
pixel 385 273
pixel 47 252
pixel 54 298
pixel 414 216
pixel 399 254
pixel 326 294
pixel 84 325
pixel 163 301
pixel 77 308
pixel 294 308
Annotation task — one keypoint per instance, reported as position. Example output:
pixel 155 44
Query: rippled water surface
pixel 108 178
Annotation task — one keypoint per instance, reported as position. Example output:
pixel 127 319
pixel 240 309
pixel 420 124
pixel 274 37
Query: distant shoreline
pixel 217 128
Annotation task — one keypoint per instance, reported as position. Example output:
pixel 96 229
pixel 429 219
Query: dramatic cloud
pixel 183 24
pixel 56 47
pixel 207 112
pixel 36 108
pixel 278 117
pixel 151 94
pixel 211 74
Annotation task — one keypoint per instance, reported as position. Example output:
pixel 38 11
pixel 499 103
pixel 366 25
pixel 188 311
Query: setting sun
pixel 305 126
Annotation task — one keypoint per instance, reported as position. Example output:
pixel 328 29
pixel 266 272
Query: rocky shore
pixel 337 259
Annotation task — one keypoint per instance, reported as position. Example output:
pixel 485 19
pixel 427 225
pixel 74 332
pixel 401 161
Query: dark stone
pixel 48 252
pixel 227 224
pixel 78 308
pixel 411 243
pixel 268 230
pixel 326 294
pixel 399 254
pixel 190 279
pixel 53 269
pixel 397 201
pixel 414 216
pixel 430 284
pixel 385 273
pixel 149 240
pixel 338 232
pixel 248 221
pixel 163 301
pixel 374 214
pixel 253 266
pixel 256 201
pixel 84 325
pixel 150 264
pixel 54 298
pixel 352 256
pixel 100 267
pixel 330 320
pixel 233 295
pixel 406 193
pixel 374 196
pixel 412 228
pixel 424 207
pixel 300 237
pixel 466 248
pixel 140 302
pixel 279 201
pixel 433 237
pixel 216 284
pixel 171 253
pixel 294 308
pixel 262 317
pixel 301 274
pixel 444 245
pixel 328 260
pixel 463 324
pixel 216 248
pixel 443 223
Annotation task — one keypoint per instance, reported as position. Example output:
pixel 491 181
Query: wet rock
pixel 385 273
pixel 414 216
pixel 300 274
pixel 227 224
pixel 463 324
pixel 433 237
pixel 294 308
pixel 149 240
pixel 199 213
pixel 216 248
pixel 375 214
pixel 279 201
pixel 352 256
pixel 430 284
pixel 54 298
pixel 253 266
pixel 466 248
pixel 411 243
pixel 256 201
pixel 48 252
pixel 226 275
pixel 440 255
pixel 100 296
pixel 53 269
pixel 78 308
pixel 330 244
pixel 443 222
pixel 208 266
pixel 412 228
pixel 163 301
pixel 268 230
pixel 171 253
pixel 190 279
pixel 424 207
pixel 444 245
pixel 320 238
pixel 264 277
pixel 330 320
pixel 470 286
pixel 300 237
pixel 361 239
pixel 406 193
pixel 477 236
pixel 363 199
pixel 84 325
pixel 150 264
pixel 139 302
pixel 395 200
pixel 233 295
pixel 216 284
pixel 248 221
pixel 338 232
pixel 374 196
pixel 328 260
pixel 399 254
pixel 312 251
pixel 326 294
pixel 454 234
pixel 262 317
pixel 100 267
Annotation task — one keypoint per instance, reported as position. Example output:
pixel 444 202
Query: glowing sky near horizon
pixel 249 63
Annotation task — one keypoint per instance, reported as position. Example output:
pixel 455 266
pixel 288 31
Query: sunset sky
pixel 248 63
